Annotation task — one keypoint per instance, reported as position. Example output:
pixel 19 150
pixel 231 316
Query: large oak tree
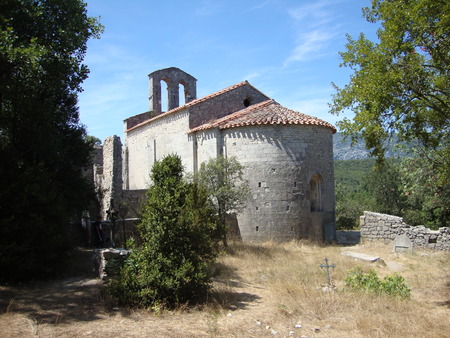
pixel 400 84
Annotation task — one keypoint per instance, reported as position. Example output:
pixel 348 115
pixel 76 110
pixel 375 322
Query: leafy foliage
pixel 401 88
pixel 401 84
pixel 412 188
pixel 223 180
pixel 42 146
pixel 392 285
pixel 352 194
pixel 385 185
pixel 179 236
pixel 427 189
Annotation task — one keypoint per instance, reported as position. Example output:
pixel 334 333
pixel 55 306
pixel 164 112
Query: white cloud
pixel 310 45
pixel 316 26
pixel 311 12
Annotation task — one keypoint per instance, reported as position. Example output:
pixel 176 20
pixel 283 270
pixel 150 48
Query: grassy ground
pixel 259 290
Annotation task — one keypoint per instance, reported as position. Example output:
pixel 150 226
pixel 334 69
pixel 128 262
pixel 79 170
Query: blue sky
pixel 288 49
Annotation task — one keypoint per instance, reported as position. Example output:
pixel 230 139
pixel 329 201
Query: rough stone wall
pixel 375 226
pixel 153 141
pixel 173 78
pixel 208 145
pixel 224 104
pixel 108 180
pixel 280 161
pixel 136 119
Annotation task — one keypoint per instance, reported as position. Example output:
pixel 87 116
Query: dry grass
pixel 259 290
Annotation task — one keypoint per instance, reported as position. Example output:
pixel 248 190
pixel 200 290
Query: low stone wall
pixel 376 226
pixel 107 262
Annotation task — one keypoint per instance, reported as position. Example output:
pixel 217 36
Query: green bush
pixel 179 243
pixel 393 285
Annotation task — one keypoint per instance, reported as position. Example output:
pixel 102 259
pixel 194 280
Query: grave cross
pixel 327 266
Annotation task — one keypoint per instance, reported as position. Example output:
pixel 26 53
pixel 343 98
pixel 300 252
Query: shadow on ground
pixel 78 297
pixel 348 237
pixel 75 298
pixel 58 302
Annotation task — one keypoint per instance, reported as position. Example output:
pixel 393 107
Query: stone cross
pixel 327 266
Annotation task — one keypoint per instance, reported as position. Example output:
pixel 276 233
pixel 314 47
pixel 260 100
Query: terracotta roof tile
pixel 268 112
pixel 190 104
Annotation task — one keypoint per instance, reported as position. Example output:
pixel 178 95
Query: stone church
pixel 288 156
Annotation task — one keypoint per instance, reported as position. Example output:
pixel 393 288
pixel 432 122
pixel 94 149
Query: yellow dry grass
pixel 259 290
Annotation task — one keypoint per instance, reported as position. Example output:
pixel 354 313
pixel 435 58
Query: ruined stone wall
pixel 224 104
pixel 280 161
pixel 375 226
pixel 108 178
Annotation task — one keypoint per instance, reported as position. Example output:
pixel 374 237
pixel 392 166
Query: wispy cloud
pixel 208 8
pixel 317 13
pixel 310 45
pixel 316 26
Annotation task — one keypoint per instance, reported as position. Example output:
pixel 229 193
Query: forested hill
pixel 344 150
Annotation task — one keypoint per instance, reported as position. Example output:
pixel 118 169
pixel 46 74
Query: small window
pixel 259 184
pixel 257 228
pixel 247 102
pixel 287 208
pixel 315 186
pixel 257 208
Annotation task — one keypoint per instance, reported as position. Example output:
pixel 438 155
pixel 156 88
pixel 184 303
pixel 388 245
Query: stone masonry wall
pixel 280 161
pixel 375 226
pixel 108 178
pixel 164 136
pixel 224 104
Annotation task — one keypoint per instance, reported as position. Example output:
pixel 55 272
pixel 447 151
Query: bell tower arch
pixel 173 77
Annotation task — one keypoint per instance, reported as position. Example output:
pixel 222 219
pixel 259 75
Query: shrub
pixel 179 242
pixel 393 285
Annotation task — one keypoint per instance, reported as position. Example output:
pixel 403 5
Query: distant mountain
pixel 344 150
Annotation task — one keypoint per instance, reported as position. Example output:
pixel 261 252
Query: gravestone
pixel 402 244
pixel 361 256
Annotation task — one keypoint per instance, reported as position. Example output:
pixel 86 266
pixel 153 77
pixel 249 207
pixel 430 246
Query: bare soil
pixel 261 290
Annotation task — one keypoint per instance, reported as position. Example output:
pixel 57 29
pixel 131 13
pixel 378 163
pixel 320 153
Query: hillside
pixel 350 174
pixel 344 150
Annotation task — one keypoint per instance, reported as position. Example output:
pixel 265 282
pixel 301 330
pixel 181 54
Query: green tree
pixel 384 183
pixel 401 84
pixel 428 192
pixel 42 146
pixel 350 206
pixel 92 140
pixel 178 243
pixel 223 179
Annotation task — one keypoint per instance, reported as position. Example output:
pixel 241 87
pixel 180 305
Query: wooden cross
pixel 327 266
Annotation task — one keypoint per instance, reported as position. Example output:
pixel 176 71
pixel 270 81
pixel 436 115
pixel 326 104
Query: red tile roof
pixel 265 113
pixel 192 103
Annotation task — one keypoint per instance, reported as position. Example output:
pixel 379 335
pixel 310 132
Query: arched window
pixel 164 95
pixel 315 186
